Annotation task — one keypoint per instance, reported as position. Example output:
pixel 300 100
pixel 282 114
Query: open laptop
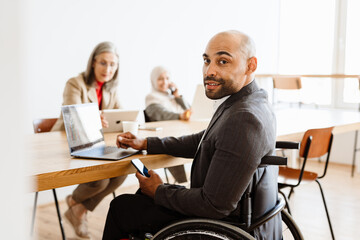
pixel 202 107
pixel 115 117
pixel 85 134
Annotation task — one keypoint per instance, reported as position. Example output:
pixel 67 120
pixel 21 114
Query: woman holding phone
pixel 165 103
pixel 98 84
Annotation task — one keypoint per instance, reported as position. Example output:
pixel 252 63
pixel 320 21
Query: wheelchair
pixel 209 229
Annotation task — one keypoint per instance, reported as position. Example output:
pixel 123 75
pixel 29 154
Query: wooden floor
pixel 342 193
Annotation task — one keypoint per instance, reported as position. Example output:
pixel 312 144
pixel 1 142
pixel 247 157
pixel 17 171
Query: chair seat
pixel 290 176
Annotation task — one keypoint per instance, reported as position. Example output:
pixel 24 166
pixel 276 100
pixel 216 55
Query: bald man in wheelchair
pixel 226 155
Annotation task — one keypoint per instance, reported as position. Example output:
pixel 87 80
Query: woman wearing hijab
pixel 165 103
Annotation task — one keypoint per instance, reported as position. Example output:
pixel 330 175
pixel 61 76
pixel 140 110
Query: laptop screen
pixel 202 106
pixel 82 125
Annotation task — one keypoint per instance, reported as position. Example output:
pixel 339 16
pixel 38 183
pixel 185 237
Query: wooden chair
pixel 286 83
pixel 146 117
pixel 43 125
pixel 315 143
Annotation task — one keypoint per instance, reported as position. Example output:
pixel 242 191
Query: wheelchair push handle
pixel 277 160
pixel 287 145
pixel 274 160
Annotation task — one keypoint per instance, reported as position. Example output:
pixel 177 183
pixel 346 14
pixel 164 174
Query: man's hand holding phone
pixel 140 167
pixel 149 181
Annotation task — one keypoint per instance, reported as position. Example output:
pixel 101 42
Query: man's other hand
pixel 126 140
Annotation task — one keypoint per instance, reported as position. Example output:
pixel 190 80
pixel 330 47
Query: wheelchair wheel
pixel 201 229
pixel 289 227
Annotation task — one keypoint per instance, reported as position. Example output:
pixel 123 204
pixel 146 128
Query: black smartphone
pixel 172 90
pixel 140 167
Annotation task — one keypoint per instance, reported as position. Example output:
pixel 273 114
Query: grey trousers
pixel 178 173
pixel 90 194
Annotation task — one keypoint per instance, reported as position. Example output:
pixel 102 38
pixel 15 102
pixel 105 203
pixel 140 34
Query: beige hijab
pixel 166 99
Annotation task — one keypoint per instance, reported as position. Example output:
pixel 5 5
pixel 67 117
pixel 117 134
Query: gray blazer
pixel 157 112
pixel 241 132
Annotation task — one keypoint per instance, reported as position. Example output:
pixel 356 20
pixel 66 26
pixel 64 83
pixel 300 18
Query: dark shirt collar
pixel 245 91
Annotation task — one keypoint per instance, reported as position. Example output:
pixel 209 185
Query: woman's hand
pixel 186 115
pixel 104 122
pixel 174 89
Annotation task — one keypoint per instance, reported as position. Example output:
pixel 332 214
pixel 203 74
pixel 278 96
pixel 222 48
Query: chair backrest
pixel 320 142
pixel 316 143
pixel 43 124
pixel 287 83
pixel 146 117
pixel 282 84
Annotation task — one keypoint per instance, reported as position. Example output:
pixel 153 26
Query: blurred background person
pixel 98 84
pixel 165 103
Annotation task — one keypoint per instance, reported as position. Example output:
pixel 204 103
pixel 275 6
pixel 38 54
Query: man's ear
pixel 252 65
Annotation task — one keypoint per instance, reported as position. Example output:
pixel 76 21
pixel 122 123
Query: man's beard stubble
pixel 224 89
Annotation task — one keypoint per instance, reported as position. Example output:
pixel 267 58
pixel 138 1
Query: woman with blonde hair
pixel 98 84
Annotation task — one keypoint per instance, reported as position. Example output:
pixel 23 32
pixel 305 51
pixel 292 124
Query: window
pixel 306 45
pixel 351 90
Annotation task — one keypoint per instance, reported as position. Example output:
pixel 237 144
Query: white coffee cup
pixel 130 126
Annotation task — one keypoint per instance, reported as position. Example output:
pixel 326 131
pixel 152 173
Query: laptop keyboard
pixel 111 149
pixel 102 151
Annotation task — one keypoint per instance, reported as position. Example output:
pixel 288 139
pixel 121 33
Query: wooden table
pixel 52 167
pixel 338 76
pixel 293 122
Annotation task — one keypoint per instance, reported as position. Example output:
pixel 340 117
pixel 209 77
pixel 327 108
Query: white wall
pixel 45 42
pixel 13 217
pixel 62 34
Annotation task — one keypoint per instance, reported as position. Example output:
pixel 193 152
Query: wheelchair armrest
pixel 287 145
pixel 274 160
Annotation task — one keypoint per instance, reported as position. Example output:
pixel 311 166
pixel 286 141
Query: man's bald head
pixel 229 63
pixel 245 44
